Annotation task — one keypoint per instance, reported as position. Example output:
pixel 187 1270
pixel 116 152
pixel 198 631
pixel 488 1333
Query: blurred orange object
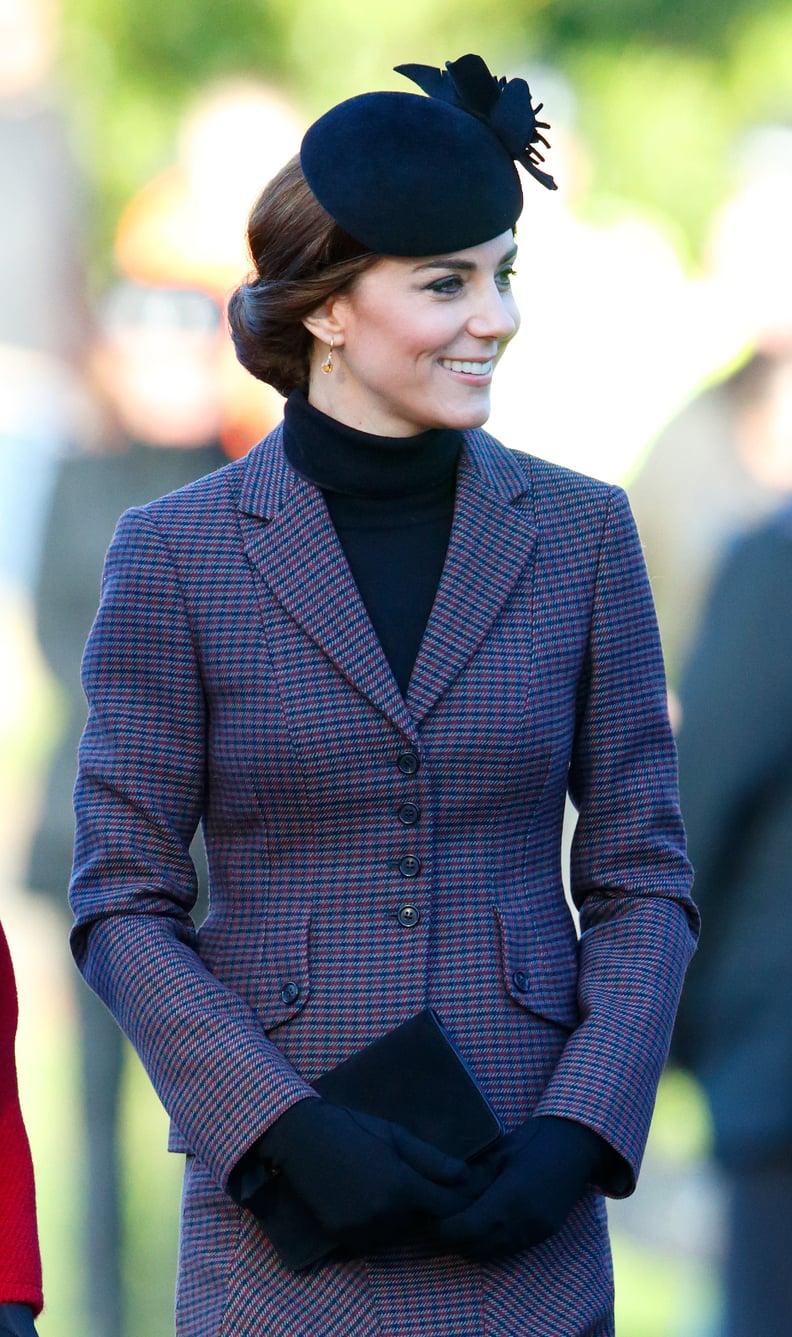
pixel 186 227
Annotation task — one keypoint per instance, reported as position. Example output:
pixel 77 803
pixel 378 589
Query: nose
pixel 495 315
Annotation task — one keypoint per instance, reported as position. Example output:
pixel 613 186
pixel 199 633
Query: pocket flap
pixel 540 970
pixel 285 983
pixel 264 961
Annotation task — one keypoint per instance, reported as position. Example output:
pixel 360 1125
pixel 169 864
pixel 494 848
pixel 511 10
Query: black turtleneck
pixel 391 500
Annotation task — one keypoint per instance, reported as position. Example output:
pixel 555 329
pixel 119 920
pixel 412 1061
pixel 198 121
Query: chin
pixel 466 421
pixel 463 417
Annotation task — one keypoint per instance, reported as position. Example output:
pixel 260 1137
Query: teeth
pixel 472 368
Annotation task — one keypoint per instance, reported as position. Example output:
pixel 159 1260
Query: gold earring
pixel 327 365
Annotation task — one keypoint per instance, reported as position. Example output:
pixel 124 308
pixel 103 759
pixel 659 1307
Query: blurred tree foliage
pixel 664 88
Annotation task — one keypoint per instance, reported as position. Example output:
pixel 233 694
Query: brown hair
pixel 301 258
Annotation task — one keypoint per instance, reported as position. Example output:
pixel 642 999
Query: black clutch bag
pixel 414 1076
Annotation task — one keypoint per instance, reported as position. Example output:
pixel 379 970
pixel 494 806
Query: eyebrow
pixel 453 262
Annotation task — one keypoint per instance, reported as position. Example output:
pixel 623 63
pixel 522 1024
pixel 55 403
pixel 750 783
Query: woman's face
pixel 416 341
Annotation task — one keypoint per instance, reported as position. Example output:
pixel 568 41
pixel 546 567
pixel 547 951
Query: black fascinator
pixel 503 104
pixel 414 176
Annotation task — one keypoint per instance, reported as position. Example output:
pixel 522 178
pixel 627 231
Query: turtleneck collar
pixel 341 459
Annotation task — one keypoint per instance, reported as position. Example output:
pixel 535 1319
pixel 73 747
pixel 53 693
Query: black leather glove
pixel 16 1321
pixel 538 1173
pixel 366 1181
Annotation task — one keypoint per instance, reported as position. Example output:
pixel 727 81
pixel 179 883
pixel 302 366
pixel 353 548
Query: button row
pixel 408 814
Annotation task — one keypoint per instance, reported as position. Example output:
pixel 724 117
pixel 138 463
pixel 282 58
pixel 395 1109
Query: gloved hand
pixel 367 1182
pixel 538 1173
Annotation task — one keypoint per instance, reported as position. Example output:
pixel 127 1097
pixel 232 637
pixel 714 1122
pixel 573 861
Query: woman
pixel 20 1264
pixel 372 658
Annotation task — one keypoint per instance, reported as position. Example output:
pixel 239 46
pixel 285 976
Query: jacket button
pixel 408 762
pixel 408 916
pixel 520 981
pixel 290 993
pixel 408 813
pixel 409 865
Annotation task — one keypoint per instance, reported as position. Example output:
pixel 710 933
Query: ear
pixel 327 321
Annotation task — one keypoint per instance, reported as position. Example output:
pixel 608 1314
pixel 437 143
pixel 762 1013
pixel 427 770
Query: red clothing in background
pixel 20 1261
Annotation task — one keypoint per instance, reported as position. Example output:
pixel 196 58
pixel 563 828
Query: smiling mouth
pixel 469 368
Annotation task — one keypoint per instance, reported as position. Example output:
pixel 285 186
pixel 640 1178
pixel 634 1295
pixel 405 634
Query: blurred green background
pixel 664 87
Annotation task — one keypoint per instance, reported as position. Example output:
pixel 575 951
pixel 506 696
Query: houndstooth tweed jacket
pixel 234 678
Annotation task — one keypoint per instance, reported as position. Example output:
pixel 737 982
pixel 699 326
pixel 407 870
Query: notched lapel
pixel 292 544
pixel 493 540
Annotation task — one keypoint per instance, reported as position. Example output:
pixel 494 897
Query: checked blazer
pixel 234 678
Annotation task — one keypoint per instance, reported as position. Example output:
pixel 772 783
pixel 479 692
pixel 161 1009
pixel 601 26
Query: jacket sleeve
pixel 138 800
pixel 630 875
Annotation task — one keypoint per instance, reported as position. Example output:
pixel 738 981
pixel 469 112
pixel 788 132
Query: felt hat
pixel 410 175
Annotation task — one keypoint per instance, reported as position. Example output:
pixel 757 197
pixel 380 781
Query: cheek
pixel 402 339
pixel 437 337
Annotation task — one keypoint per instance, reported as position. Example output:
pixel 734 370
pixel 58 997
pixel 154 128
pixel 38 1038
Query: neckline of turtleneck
pixel 340 459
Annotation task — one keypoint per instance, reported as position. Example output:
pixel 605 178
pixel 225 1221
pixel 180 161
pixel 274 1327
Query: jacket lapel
pixel 493 538
pixel 297 554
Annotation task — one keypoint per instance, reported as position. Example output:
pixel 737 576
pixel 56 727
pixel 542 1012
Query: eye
pixel 505 276
pixel 448 286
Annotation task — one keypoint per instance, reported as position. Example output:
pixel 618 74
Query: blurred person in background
pixel 156 369
pixel 43 314
pixel 619 319
pixel 734 1030
pixel 21 1295
pixel 182 226
pixel 372 658
pixel 696 488
pixel 699 488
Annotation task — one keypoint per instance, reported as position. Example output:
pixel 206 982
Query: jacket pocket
pixel 270 973
pixel 284 986
pixel 264 960
pixel 540 966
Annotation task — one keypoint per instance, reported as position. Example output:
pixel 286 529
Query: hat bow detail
pixel 504 105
